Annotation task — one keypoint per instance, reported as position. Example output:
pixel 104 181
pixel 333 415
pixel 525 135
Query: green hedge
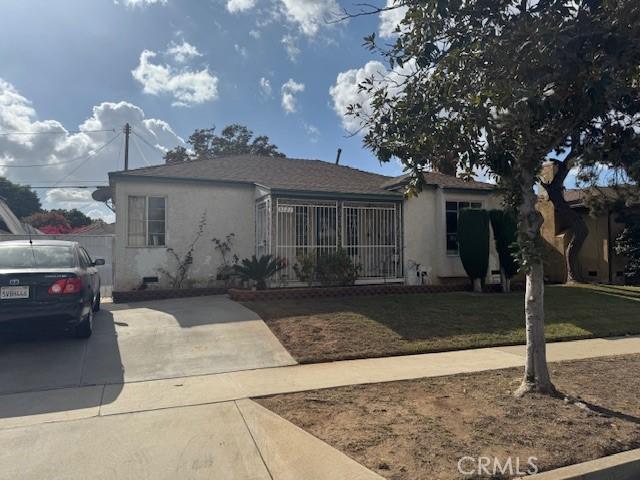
pixel 505 233
pixel 473 242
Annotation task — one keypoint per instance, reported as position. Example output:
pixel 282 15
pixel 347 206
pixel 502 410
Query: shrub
pixel 628 245
pixel 336 268
pixel 259 269
pixel 505 233
pixel 473 244
pixel 305 268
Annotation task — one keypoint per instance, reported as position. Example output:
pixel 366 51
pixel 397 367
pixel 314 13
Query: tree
pixel 49 222
pixel 505 235
pixel 233 140
pixel 74 217
pixel 473 244
pixel 505 84
pixel 628 245
pixel 20 198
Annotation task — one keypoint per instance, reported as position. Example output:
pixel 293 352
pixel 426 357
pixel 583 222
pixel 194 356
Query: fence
pixel 98 246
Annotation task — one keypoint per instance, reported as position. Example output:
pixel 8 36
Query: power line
pixel 135 143
pixel 89 157
pixel 66 132
pixel 51 187
pixel 155 147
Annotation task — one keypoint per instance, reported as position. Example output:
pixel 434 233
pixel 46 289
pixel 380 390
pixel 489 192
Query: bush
pixel 305 268
pixel 473 244
pixel 505 233
pixel 628 245
pixel 259 269
pixel 336 268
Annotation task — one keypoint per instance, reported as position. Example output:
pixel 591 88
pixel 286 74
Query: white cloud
pixel 76 158
pixel 346 90
pixel 313 132
pixel 183 51
pixel 234 6
pixel 141 3
pixel 187 87
pixel 241 50
pixel 290 45
pixel 289 90
pixel 255 34
pixel 265 87
pixel 310 15
pixel 390 19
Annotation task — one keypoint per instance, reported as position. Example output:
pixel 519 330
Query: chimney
pixel 338 156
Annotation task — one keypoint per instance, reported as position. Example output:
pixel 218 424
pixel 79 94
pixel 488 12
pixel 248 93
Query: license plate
pixel 7 293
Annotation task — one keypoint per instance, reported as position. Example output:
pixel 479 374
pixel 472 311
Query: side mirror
pixel 98 262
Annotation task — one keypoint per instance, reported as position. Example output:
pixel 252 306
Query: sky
pixel 76 71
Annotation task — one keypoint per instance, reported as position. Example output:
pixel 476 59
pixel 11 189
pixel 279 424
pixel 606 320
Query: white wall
pixel 230 209
pixel 425 233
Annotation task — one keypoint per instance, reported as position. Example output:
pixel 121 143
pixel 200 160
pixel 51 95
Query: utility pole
pixel 127 132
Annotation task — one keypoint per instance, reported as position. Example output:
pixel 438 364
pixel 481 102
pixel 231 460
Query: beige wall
pixel 425 234
pixel 230 209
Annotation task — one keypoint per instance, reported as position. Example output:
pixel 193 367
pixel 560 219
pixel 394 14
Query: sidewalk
pixel 41 407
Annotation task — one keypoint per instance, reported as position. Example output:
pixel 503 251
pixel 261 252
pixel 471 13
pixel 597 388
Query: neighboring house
pixel 288 207
pixel 597 257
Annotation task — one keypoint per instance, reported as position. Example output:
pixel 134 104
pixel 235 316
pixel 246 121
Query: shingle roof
pixel 274 173
pixel 441 180
pixel 578 197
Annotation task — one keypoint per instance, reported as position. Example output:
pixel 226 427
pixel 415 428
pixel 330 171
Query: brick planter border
pixel 162 294
pixel 353 291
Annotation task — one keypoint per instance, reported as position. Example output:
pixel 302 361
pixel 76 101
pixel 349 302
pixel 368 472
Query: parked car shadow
pixel 38 368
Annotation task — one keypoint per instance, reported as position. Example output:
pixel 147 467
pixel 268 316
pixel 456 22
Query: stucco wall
pixel 425 233
pixel 230 209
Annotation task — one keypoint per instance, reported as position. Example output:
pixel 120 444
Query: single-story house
pixel 597 258
pixel 288 207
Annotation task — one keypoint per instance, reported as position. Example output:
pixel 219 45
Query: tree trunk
pixel 477 285
pixel 577 228
pixel 536 374
pixel 505 281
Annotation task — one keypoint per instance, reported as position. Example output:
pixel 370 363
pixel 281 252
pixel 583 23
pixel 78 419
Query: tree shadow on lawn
pixel 488 318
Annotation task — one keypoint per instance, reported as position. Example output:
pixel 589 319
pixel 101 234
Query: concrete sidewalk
pixel 49 406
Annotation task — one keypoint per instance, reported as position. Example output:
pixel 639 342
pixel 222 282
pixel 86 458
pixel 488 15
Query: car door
pixel 90 271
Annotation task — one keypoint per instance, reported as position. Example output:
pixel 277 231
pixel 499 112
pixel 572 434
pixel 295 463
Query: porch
pixel 370 232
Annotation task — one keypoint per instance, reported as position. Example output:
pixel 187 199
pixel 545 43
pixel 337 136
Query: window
pixel 147 221
pixel 36 256
pixel 452 210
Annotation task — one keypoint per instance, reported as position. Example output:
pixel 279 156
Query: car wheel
pixel 96 303
pixel 85 327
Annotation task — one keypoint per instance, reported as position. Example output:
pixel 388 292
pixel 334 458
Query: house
pixel 289 207
pixel 597 258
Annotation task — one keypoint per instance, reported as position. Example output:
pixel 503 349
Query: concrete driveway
pixel 146 341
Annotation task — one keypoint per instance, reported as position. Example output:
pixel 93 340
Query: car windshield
pixel 36 256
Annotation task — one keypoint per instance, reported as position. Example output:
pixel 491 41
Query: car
pixel 49 281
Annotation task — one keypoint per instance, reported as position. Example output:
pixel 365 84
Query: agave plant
pixel 259 269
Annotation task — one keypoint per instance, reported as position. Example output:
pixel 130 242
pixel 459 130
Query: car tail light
pixel 65 286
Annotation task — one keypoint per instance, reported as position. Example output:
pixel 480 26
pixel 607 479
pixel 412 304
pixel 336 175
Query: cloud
pixel 141 3
pixel 390 19
pixel 265 87
pixel 68 196
pixel 183 52
pixel 241 50
pixel 310 15
pixel 290 45
pixel 313 132
pixel 289 90
pixel 235 6
pixel 255 34
pixel 346 92
pixel 187 87
pixel 78 157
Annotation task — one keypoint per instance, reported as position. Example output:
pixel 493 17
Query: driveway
pixel 146 341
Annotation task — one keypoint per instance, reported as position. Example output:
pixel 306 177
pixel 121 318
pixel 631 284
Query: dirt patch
pixel 419 429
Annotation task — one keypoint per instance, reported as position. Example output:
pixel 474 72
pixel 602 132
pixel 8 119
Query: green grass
pixel 316 330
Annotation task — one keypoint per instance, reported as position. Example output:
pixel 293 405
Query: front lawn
pixel 325 329
pixel 420 429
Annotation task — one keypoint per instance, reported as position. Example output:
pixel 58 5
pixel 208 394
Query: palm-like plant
pixel 259 269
